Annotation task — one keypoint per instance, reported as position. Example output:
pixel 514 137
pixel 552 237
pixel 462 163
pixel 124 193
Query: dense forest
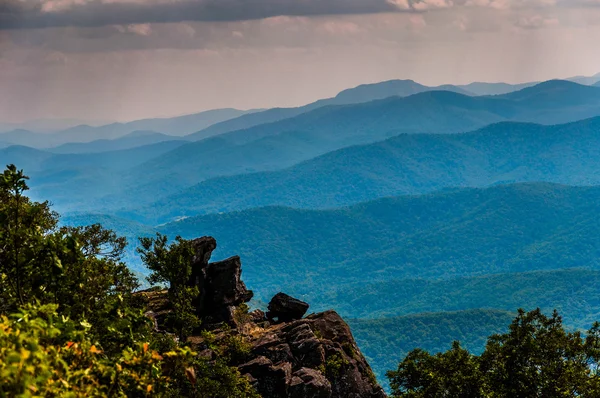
pixel 74 323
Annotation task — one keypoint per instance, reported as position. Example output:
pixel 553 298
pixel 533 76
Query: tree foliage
pixel 171 264
pixel 70 322
pixel 537 357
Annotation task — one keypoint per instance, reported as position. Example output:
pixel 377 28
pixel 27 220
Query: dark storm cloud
pixel 18 14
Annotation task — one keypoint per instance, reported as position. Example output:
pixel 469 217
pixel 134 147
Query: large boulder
pixel 323 356
pixel 219 284
pixel 284 308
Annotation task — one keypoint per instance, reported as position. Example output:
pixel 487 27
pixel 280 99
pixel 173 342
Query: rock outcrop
pixel 284 355
pixel 219 283
pixel 311 357
pixel 284 308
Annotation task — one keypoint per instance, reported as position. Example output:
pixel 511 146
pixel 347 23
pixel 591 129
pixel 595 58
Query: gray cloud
pixel 17 14
pixel 31 14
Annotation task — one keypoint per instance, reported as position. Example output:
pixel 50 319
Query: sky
pixel 119 60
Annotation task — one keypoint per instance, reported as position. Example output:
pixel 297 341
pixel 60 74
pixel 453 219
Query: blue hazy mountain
pixel 459 233
pixel 131 140
pixel 48 125
pixel 386 89
pixel 277 145
pixel 177 126
pixel 407 164
pixel 39 160
pixel 332 127
pixel 359 94
pixel 356 95
pixel 26 138
pixel 481 88
pixel 556 93
pixel 587 80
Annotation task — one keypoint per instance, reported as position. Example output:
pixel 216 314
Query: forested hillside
pixel 403 165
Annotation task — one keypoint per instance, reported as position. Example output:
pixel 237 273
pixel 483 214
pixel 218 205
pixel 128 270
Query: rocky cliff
pixel 280 352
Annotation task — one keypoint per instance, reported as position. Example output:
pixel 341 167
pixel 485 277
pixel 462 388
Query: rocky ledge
pixel 283 354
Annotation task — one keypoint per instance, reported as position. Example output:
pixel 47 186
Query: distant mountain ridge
pixel 131 140
pixel 459 233
pixel 406 164
pixel 275 146
pixel 177 126
pixel 360 94
pixel 587 80
pixel 481 88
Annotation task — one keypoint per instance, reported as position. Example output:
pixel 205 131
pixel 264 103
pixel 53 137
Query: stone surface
pixel 323 357
pixel 308 382
pixel 289 357
pixel 284 308
pixel 219 284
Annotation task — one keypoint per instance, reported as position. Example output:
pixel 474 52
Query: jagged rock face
pixel 285 308
pixel 290 358
pixel 312 357
pixel 220 285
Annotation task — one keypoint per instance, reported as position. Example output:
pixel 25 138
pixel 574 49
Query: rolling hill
pixel 459 233
pixel 36 160
pixel 573 292
pixel 177 126
pixel 26 138
pixel 480 88
pixel 360 94
pixel 288 142
pixel 277 145
pixel 404 88
pixel 406 164
pixel 131 140
pixel 59 177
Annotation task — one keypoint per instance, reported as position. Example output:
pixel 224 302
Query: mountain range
pixel 176 126
pixel 275 146
pixel 131 140
pixel 406 164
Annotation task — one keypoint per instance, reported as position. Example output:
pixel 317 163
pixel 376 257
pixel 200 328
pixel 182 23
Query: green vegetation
pixel 70 324
pixel 460 233
pixel 499 248
pixel 172 265
pixel 385 342
pixel 406 164
pixel 536 357
pixel 573 293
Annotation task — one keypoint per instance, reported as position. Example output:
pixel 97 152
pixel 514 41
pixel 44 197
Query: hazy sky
pixel 129 59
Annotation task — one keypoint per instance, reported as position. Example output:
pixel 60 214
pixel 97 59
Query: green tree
pixel 70 323
pixel 171 264
pixel 537 357
pixel 454 373
pixel 23 227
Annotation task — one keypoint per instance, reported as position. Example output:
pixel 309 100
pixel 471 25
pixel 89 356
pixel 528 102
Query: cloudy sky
pixel 127 59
